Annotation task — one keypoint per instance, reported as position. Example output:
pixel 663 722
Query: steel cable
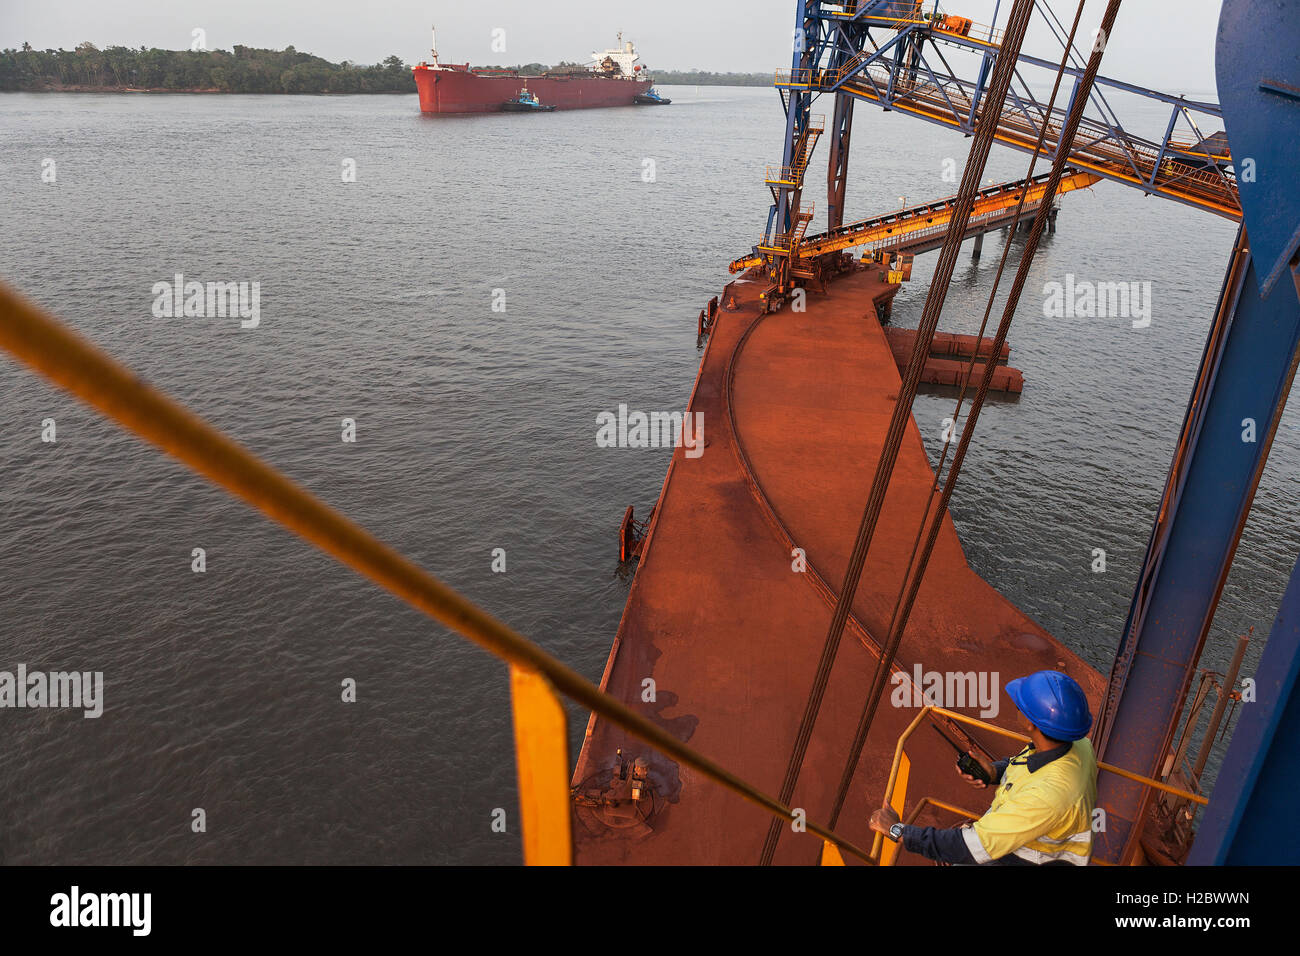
pixel 868 712
pixel 1004 327
pixel 986 127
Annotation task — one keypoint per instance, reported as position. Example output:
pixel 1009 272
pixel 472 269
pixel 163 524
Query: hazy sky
pixel 1167 44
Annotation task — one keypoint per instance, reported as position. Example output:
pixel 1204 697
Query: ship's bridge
pixel 618 58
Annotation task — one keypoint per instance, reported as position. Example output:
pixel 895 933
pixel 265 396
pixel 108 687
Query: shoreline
pixel 215 91
pixel 193 92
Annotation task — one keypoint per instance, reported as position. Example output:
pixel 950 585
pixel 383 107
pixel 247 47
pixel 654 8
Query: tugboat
pixel 651 97
pixel 525 102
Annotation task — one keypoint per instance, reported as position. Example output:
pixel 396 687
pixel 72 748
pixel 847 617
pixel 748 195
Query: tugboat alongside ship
pixel 525 102
pixel 614 78
pixel 652 97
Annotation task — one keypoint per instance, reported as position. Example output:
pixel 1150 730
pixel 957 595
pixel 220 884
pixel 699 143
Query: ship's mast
pixel 433 31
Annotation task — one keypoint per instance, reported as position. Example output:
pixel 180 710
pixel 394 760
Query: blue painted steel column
pixel 986 66
pixel 1251 816
pixel 1250 819
pixel 1164 146
pixel 850 42
pixel 800 101
pixel 1246 374
pixel 1191 548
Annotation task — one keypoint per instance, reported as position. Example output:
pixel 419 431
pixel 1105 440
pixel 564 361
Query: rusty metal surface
pixel 796 406
pixel 940 369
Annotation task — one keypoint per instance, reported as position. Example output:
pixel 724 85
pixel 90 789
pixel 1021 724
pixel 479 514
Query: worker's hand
pixel 988 769
pixel 883 819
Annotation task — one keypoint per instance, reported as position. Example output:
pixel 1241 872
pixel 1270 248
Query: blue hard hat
pixel 1054 703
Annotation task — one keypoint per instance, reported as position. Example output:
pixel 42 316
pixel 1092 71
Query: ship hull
pixel 463 91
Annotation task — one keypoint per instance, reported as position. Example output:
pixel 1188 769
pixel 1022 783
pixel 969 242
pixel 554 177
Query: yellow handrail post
pixel 897 800
pixel 831 854
pixel 894 773
pixel 542 763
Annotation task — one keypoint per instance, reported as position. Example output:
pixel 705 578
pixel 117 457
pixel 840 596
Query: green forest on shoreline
pixel 248 70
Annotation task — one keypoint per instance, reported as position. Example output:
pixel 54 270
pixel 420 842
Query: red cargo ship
pixel 614 79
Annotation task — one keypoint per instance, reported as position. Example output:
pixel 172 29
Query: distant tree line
pixel 250 70
pixel 245 70
pixel 705 78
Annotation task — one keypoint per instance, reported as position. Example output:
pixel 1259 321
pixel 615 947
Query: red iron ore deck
pixel 796 406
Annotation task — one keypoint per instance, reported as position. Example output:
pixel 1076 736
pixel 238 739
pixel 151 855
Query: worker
pixel 1042 811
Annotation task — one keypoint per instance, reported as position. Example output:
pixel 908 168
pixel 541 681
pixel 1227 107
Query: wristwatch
pixel 896 832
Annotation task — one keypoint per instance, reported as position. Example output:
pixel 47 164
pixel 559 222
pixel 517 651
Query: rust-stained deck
pixel 796 406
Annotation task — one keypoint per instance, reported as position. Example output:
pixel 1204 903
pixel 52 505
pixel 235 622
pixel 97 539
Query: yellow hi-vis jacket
pixel 1042 812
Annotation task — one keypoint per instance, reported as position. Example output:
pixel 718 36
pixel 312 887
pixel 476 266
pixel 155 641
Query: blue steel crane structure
pixel 892 53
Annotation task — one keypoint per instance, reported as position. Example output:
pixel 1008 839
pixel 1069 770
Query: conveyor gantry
pixel 1196 170
pixel 906 228
pixel 890 52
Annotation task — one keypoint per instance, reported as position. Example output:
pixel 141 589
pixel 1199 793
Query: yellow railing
pixel 782 176
pixel 541 745
pixel 1189 147
pixel 896 788
pixel 801 220
pixel 799 78
pixel 792 175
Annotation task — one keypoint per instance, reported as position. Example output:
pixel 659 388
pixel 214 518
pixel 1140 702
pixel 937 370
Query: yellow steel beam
pixel 1101 765
pixel 542 762
pixel 1130 775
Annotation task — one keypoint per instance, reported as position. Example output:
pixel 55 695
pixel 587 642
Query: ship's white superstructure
pixel 621 58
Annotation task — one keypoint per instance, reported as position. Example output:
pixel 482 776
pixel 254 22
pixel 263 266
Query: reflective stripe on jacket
pixel 1042 812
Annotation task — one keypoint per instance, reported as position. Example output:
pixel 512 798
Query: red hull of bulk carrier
pixel 460 90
